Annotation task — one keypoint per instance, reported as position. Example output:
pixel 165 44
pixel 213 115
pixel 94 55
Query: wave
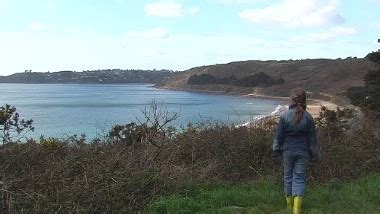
pixel 275 113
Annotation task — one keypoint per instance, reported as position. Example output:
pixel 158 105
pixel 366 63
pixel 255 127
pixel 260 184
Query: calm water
pixel 60 110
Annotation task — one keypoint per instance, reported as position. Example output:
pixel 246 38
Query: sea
pixel 63 110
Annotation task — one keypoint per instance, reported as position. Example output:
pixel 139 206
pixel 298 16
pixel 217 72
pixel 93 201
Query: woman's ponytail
pixel 299 98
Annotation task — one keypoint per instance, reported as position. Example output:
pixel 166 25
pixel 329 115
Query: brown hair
pixel 298 97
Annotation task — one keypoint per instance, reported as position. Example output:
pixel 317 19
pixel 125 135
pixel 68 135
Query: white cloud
pixel 37 26
pixel 376 25
pixel 86 51
pixel 236 1
pixel 326 36
pixel 193 10
pixel 333 33
pixel 51 3
pixel 169 9
pixel 164 9
pixel 155 33
pixel 295 13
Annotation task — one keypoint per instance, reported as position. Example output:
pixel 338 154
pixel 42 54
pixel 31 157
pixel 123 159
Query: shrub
pixel 368 96
pixel 11 125
pixel 64 176
pixel 258 79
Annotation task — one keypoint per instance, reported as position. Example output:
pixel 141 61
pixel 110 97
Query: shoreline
pixel 313 109
pixel 314 106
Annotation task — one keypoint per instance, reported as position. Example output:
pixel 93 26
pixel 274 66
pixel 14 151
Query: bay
pixel 61 110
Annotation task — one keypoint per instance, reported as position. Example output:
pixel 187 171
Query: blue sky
pixel 53 35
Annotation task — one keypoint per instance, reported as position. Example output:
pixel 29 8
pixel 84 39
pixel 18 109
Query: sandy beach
pixel 314 106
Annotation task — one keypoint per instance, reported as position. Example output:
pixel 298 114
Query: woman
pixel 296 140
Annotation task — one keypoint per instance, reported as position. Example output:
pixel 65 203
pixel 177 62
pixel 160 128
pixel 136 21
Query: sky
pixel 54 35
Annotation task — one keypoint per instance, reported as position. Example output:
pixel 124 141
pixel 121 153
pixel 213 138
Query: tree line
pixel 258 79
pixel 109 76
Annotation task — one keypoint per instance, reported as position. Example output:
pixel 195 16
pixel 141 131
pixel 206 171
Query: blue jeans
pixel 295 164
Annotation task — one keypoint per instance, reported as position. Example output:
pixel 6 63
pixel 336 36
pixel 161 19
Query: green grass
pixel 360 196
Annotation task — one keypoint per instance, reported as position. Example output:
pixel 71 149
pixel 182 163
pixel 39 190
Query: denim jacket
pixel 296 136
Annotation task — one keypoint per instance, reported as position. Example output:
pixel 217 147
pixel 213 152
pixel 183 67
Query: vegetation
pixel 265 196
pixel 151 166
pixel 374 57
pixel 11 126
pixel 110 76
pixel 325 79
pixel 368 96
pixel 259 79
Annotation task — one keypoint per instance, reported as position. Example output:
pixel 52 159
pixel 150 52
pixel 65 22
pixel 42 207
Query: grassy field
pixel 359 196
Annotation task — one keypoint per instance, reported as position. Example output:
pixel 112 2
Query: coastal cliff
pixel 325 79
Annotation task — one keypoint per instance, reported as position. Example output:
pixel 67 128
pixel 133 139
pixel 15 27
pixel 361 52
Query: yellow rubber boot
pixel 297 206
pixel 289 201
